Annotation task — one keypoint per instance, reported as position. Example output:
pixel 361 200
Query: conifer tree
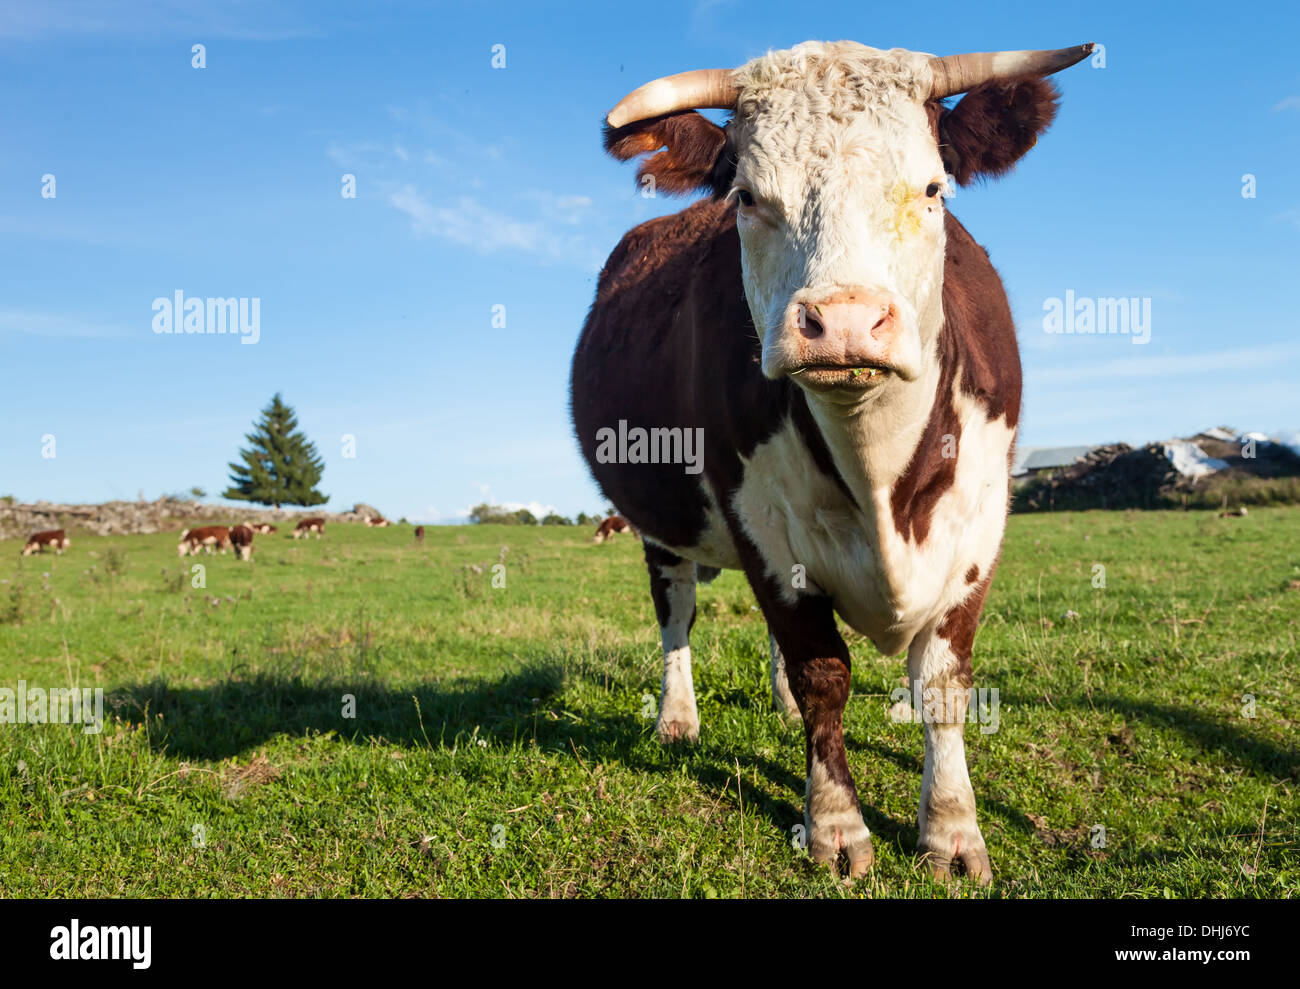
pixel 281 466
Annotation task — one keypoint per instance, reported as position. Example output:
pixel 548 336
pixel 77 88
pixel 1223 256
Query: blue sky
pixel 480 187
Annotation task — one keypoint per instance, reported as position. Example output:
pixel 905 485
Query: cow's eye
pixel 933 189
pixel 745 197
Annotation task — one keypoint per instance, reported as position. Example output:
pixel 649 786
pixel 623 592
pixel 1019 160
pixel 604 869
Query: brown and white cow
pixel 263 528
pixel 377 523
pixel 53 538
pixel 241 537
pixel 419 533
pixel 845 351
pixel 307 526
pixel 613 526
pixel 204 538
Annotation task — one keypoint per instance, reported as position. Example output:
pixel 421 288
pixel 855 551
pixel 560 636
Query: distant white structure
pixel 1219 433
pixel 1190 460
pixel 1289 438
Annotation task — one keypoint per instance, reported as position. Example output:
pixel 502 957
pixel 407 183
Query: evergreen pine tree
pixel 281 466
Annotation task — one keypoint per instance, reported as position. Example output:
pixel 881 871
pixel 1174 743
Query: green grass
pixel 500 744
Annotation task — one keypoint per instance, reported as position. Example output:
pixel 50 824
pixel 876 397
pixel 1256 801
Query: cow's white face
pixel 839 187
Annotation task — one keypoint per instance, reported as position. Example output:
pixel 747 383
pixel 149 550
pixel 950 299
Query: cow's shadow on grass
pixel 1207 732
pixel 218 721
pixel 1212 732
pixel 222 720
pixel 226 719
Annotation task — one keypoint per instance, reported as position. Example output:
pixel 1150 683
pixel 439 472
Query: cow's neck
pixel 872 443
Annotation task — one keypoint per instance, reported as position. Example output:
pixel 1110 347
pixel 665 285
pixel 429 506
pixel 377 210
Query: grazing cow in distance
pixel 204 538
pixel 377 523
pixel 307 526
pixel 263 528
pixel 54 538
pixel 846 350
pixel 611 527
pixel 241 537
pixel 419 533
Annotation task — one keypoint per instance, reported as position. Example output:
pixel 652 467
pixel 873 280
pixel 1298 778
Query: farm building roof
pixel 1042 457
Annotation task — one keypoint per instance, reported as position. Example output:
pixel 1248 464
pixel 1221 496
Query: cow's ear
pixel 692 153
pixel 993 126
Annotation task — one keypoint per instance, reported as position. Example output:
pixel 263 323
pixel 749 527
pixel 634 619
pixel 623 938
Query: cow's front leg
pixel 817 666
pixel 672 585
pixel 950 842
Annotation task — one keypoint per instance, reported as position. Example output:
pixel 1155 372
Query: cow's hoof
pixel 673 732
pixel 844 846
pixel 959 856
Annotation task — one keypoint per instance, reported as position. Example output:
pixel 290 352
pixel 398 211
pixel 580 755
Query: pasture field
pixel 503 744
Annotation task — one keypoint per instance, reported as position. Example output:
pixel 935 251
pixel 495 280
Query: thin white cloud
pixel 468 222
pixel 373 154
pixel 705 9
pixel 420 126
pixel 1257 359
pixel 242 20
pixel 552 226
pixel 59 325
pixel 1290 103
pixel 114 234
pixel 570 210
pixel 358 154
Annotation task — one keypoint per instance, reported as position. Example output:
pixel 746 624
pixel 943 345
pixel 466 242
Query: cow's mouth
pixel 859 377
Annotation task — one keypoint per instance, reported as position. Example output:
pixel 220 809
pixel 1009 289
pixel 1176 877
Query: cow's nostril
pixel 887 314
pixel 810 322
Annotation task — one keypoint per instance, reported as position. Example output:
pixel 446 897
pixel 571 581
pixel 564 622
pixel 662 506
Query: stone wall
pixel 18 521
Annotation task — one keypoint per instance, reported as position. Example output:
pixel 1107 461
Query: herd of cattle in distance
pixel 208 538
pixel 220 538
pixel 240 537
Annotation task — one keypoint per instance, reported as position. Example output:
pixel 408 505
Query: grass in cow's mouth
pixel 855 371
pixel 500 745
pixel 834 375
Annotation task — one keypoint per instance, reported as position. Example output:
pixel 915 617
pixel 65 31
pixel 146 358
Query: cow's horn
pixel 957 73
pixel 695 90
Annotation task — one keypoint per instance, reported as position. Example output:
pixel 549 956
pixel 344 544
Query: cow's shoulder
pixel 978 338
